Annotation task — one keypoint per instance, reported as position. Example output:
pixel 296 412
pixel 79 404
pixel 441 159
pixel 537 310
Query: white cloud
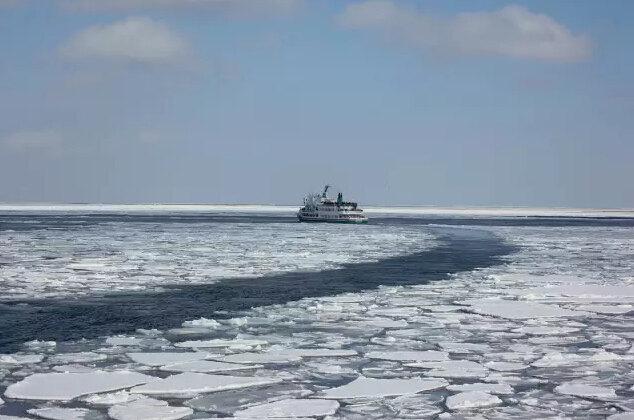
pixel 135 39
pixel 230 7
pixel 43 141
pixel 512 31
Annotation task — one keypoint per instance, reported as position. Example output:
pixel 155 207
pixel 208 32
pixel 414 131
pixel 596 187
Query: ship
pixel 321 208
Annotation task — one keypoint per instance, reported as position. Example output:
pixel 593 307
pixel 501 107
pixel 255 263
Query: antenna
pixel 325 191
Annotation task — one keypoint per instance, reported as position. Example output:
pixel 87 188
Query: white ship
pixel 321 208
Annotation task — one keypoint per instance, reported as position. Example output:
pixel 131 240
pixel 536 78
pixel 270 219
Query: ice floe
pixel 61 413
pixel 584 390
pixel 67 386
pixel 166 358
pixel 148 409
pixel 205 366
pixel 471 399
pixel 519 309
pixel 290 408
pixel 500 389
pixel 189 384
pixel 412 356
pixel 363 387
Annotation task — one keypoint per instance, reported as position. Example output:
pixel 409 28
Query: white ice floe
pixel 363 387
pixel 123 341
pixel 583 390
pixel 470 400
pixel 505 366
pixel 148 409
pixel 545 330
pixel 67 386
pixel 500 389
pixel 202 322
pixel 20 359
pixel 166 358
pixel 205 366
pixel 290 408
pixel 257 358
pixel 110 398
pixel 607 309
pixel 554 359
pixel 410 356
pixel 453 369
pixel 457 347
pixel 511 309
pixel 581 291
pixel 221 343
pixel 60 413
pixel 81 357
pixel 189 384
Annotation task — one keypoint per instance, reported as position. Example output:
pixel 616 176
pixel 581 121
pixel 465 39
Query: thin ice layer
pixel 67 386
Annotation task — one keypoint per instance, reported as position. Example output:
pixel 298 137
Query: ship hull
pixel 340 221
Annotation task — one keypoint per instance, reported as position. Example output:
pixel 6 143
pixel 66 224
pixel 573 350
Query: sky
pixel 446 103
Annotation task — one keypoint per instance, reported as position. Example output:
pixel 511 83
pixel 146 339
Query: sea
pixel 163 312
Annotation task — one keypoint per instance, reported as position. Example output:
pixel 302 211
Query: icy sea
pixel 195 314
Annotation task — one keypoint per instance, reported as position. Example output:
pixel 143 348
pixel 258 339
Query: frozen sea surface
pixel 422 330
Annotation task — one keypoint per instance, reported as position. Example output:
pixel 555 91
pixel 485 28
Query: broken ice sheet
pixel 471 399
pixel 363 387
pixel 148 409
pixel 290 408
pixel 189 384
pixel 67 386
pixel 229 401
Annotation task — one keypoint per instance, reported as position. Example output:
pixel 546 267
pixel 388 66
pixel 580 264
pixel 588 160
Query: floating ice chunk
pixel 554 359
pixel 148 409
pixel 501 389
pixel 37 344
pixel 380 322
pixel 284 356
pixel 205 366
pixel 620 416
pixel 317 352
pixel 585 291
pixel 464 347
pixel 512 309
pixel 505 366
pixel 20 359
pixel 123 341
pixel 419 356
pixel 111 398
pixel 579 389
pixel 189 384
pixel 220 343
pixel 67 386
pixel 545 330
pixel 230 401
pixel 82 357
pixel 363 387
pixel 165 358
pixel 471 399
pixel 291 408
pixel 202 322
pixel 607 309
pixel 266 358
pixel 73 368
pixel 60 413
pixel 453 369
pixel 1 401
pixel 3 417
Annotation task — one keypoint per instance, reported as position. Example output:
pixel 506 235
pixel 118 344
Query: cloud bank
pixel 135 39
pixel 512 31
pixel 227 7
pixel 45 141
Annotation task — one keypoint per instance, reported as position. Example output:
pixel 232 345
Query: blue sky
pixel 233 101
